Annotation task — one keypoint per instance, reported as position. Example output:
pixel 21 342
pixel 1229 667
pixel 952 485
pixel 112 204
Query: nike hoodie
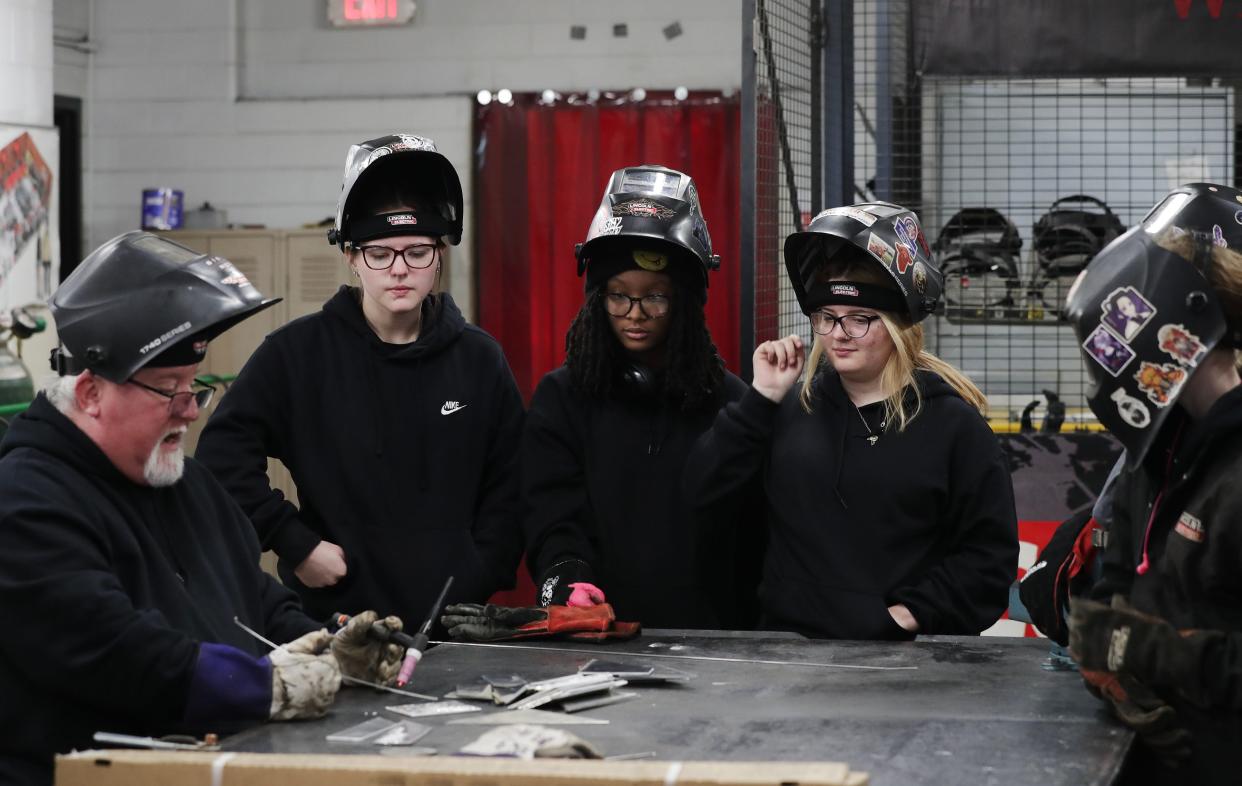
pixel 406 456
pixel 924 517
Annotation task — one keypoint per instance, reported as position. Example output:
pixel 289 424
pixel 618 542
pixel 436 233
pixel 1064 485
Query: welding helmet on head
pixel 414 173
pixel 142 300
pixel 887 234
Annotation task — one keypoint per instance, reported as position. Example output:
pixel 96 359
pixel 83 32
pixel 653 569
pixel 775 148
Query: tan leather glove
pixel 305 677
pixel 364 658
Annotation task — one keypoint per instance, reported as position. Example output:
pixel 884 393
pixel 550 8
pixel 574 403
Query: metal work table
pixel 971 711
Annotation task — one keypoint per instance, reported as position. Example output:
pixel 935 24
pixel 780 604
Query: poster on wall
pixel 28 214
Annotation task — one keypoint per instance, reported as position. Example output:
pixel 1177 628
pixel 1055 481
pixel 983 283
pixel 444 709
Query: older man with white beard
pixel 123 564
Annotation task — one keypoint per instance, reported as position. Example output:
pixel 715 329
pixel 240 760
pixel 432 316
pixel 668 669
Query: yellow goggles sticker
pixel 651 260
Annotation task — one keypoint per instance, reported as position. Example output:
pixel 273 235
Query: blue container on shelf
pixel 161 208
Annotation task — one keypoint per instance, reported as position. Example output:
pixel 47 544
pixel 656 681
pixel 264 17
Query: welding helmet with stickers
pixel 141 300
pixel 1212 209
pixel 886 233
pixel 410 169
pixel 649 219
pixel 1145 318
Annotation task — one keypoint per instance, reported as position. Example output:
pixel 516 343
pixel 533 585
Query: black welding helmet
pixel 412 171
pixel 1212 209
pixel 140 300
pixel 1073 230
pixel 650 219
pixel 889 235
pixel 1145 318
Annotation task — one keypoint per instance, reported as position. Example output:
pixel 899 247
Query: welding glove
pixel 1121 639
pixel 305 677
pixel 364 658
pixel 475 622
pixel 1138 707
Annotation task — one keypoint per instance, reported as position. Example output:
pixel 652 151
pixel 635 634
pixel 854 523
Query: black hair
pixel 596 360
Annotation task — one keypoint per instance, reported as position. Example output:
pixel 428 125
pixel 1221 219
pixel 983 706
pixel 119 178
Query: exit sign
pixel 366 13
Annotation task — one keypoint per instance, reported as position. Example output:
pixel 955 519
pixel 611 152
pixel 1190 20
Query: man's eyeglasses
pixel 619 305
pixel 853 325
pixel 416 257
pixel 179 400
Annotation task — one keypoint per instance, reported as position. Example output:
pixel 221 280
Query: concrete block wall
pixel 26 63
pixel 252 106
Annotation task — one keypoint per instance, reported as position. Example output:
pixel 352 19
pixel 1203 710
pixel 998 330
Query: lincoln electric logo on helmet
pixel 848 290
pixel 163 338
pixel 643 208
pixel 403 219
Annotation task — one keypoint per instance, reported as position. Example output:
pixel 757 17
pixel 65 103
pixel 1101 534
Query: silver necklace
pixel 872 437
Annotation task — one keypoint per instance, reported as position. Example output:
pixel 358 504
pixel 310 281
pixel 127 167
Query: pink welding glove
pixel 584 594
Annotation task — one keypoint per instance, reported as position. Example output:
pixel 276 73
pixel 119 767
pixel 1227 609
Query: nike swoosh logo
pixel 447 410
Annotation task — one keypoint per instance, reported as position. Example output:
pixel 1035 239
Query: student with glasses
pixel 890 508
pixel 399 422
pixel 124 566
pixel 608 432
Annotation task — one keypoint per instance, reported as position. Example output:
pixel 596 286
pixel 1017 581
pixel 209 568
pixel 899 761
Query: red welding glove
pixel 1121 639
pixel 475 622
pixel 1138 707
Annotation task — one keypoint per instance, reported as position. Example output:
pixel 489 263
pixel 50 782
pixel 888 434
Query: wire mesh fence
pixel 1018 181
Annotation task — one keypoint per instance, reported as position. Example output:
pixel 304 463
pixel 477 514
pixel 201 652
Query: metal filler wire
pixel 755 661
pixel 349 680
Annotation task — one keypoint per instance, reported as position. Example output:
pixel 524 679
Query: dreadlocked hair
pixel 596 360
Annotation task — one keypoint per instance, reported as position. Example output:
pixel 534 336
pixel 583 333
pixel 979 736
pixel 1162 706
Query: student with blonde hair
pixel 890 508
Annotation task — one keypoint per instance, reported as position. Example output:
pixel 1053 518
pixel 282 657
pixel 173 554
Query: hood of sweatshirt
pixel 442 325
pixel 45 428
pixel 827 388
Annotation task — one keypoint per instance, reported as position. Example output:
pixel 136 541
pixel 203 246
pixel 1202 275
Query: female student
pixel 608 432
pixel 1161 638
pixel 890 508
pixel 399 422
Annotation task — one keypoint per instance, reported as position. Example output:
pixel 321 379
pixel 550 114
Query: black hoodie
pixel 602 484
pixel 1182 511
pixel 924 517
pixel 113 597
pixel 403 455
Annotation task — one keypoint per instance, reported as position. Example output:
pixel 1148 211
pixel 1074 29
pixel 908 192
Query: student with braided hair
pixel 607 434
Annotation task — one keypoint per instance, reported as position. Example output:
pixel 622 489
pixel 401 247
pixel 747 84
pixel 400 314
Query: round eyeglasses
pixel 852 325
pixel 619 305
pixel 179 400
pixel 416 257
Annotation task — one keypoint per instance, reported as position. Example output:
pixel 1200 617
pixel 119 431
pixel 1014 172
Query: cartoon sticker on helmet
pixel 1218 236
pixel 1105 349
pixel 908 235
pixel 1160 381
pixel 1133 411
pixel 643 208
pixel 1182 345
pixel 920 278
pixel 904 258
pixel 1126 312
pixel 880 250
pixel 858 214
pixel 650 260
pixel 612 226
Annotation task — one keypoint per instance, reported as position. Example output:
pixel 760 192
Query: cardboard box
pixel 160 768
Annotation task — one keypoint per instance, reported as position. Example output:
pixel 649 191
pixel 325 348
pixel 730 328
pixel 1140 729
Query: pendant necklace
pixel 872 437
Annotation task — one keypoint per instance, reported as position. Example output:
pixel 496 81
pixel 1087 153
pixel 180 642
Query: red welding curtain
pixel 541 172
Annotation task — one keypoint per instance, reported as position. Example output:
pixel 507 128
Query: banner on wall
pixel 27 214
pixel 1073 38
